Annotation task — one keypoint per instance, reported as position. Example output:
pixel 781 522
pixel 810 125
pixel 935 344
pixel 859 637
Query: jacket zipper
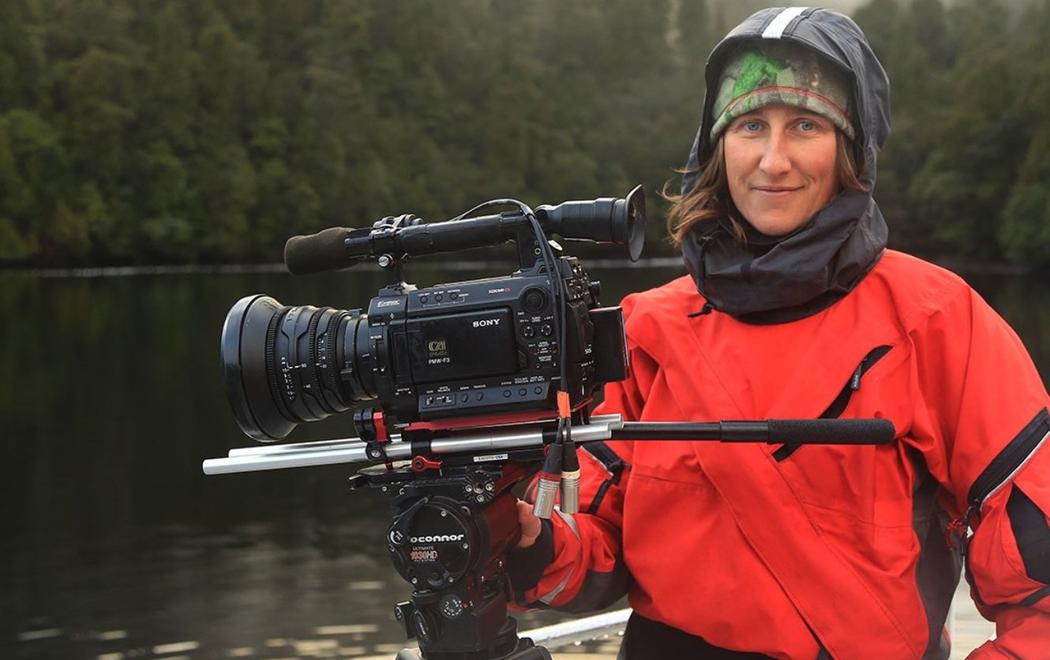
pixel 840 402
pixel 999 473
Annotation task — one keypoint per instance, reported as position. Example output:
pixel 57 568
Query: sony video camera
pixel 482 381
pixel 467 353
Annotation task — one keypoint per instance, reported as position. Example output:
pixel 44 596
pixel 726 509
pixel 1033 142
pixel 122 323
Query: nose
pixel 775 160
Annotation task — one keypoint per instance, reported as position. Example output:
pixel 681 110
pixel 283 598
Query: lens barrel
pixel 290 364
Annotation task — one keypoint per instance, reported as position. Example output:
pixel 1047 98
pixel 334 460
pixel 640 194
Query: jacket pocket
pixel 834 410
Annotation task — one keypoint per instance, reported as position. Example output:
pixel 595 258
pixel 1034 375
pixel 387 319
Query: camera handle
pixel 392 261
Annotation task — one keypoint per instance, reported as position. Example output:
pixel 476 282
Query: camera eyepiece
pixel 603 220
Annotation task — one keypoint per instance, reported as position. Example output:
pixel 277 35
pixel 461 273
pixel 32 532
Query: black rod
pixel 773 431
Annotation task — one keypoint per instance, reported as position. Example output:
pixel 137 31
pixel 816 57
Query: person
pixel 794 308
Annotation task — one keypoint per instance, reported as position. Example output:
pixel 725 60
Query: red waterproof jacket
pixel 782 550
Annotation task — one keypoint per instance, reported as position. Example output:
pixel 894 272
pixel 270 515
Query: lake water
pixel 116 546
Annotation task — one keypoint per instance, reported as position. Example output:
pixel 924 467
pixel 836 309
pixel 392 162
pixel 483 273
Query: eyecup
pixel 634 222
pixel 603 220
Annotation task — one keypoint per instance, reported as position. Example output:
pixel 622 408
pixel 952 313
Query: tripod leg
pixel 526 651
pixel 407 654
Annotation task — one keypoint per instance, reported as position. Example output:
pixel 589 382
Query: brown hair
pixel 709 199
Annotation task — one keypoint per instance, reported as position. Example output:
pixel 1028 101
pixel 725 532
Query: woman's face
pixel 780 164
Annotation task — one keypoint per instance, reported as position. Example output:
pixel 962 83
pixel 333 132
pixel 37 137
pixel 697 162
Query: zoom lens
pixel 285 365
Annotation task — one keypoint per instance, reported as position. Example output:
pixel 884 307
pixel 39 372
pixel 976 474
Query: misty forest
pixel 208 132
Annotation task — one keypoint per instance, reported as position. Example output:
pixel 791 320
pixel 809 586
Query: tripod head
pixel 448 538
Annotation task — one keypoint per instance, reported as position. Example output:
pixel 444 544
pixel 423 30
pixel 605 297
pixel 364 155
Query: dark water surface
pixel 116 546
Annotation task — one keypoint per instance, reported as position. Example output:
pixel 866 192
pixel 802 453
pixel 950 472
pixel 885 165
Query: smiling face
pixel 781 166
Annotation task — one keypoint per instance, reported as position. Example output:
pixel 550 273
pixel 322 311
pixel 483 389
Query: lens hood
pixel 244 342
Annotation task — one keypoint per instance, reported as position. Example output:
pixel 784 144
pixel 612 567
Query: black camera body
pixel 487 346
pixel 463 354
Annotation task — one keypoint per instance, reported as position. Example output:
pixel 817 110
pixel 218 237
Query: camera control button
pixel 528 331
pixel 438 297
pixel 534 300
pixel 451 606
pixel 537 390
pixel 546 330
pixel 464 398
pixel 453 295
pixel 522 392
pixel 437 401
pixel 480 396
pixel 506 394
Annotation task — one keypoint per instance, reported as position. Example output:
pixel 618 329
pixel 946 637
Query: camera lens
pixel 285 364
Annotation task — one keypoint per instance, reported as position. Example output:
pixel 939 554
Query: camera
pixel 473 352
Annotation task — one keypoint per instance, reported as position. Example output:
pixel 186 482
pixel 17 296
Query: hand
pixel 530 525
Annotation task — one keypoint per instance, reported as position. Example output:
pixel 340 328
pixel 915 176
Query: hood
pixel 784 278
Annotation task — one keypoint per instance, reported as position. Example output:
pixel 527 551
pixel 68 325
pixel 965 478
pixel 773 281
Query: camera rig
pixel 455 516
pixel 460 392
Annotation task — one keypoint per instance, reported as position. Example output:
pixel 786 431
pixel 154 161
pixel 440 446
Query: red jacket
pixel 767 549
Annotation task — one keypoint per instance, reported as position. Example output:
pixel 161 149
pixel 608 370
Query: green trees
pixel 965 170
pixel 206 131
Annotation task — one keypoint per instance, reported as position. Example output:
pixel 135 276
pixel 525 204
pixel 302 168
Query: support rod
pixel 601 427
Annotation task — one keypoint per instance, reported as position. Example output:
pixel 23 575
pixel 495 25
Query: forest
pixel 205 132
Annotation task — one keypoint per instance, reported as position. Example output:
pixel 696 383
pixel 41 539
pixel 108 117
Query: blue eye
pixel 751 125
pixel 807 125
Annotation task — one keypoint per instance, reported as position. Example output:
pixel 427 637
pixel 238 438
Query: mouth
pixel 776 190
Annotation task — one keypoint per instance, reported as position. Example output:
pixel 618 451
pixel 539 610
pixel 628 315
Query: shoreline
pixel 672 261
pixel 277 267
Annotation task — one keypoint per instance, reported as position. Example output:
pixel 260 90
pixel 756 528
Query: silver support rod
pixel 348 450
pixel 262 450
pixel 566 633
pixel 282 459
pixel 579 630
